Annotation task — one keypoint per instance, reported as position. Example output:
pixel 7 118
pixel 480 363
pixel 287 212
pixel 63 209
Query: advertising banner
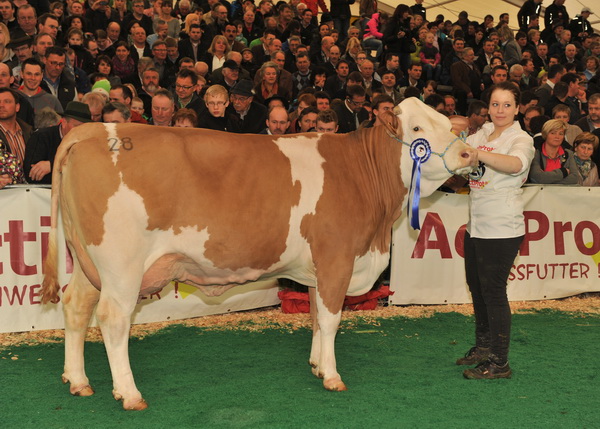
pixel 559 257
pixel 24 231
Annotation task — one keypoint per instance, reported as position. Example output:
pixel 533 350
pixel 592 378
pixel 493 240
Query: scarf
pixel 123 69
pixel 583 166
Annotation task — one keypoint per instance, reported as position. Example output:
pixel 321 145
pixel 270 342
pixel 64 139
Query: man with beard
pixel 150 79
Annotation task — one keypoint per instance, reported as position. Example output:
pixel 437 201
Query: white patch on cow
pixel 328 326
pixel 307 169
pixel 367 269
pixel 113 141
pixel 127 244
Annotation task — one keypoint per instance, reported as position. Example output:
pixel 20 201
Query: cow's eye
pixel 416 129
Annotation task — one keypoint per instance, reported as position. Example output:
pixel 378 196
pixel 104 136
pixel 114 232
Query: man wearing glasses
pixel 351 112
pixel 56 80
pixel 244 115
pixel 185 88
pixel 48 24
pixel 165 72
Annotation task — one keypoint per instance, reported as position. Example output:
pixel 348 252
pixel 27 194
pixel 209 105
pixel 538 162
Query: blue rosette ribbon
pixel 420 151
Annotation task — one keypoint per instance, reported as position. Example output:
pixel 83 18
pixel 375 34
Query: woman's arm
pixel 508 164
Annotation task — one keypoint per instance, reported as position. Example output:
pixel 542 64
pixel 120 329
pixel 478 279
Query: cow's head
pixel 421 130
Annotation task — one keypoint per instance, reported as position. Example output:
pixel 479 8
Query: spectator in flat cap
pixel 41 147
pixel 244 115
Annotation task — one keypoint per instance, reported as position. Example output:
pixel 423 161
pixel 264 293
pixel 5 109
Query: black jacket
pixel 42 146
pixel 253 123
pixel 346 120
pixel 66 89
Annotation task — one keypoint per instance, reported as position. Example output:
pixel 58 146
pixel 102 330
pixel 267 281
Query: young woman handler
pixel 495 229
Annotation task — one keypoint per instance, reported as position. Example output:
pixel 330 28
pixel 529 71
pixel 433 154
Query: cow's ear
pixel 459 124
pixel 391 122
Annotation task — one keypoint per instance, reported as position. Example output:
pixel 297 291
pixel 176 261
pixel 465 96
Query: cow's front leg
pixel 78 304
pixel 315 349
pixel 332 283
pixel 114 315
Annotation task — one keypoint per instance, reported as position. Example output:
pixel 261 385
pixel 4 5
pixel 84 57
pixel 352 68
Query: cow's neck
pixel 381 161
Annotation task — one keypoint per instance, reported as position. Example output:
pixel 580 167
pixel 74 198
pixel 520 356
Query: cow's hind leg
pixel 78 304
pixel 117 302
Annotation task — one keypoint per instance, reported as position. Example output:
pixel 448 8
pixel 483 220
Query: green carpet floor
pixel 400 374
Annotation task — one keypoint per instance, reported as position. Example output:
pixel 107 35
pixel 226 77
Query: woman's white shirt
pixel 495 203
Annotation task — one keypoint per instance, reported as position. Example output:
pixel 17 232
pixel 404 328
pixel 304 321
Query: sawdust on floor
pixel 273 318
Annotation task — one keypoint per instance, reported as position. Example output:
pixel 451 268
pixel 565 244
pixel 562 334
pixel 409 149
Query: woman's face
pixel 301 106
pixel 104 67
pixel 270 75
pixel 220 46
pixel 247 56
pixel 76 23
pixel 496 62
pixel 122 53
pixel 320 80
pixel 584 151
pixel 58 11
pixel 503 108
pixel 555 137
pixel 562 116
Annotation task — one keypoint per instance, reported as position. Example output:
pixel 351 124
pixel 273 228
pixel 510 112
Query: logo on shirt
pixel 476 175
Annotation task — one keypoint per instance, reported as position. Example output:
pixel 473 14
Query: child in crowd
pixel 217 100
pixel 137 105
pixel 430 59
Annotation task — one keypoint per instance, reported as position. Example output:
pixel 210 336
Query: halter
pixel 420 151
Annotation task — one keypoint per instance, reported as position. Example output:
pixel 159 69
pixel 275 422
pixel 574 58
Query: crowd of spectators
pixel 287 67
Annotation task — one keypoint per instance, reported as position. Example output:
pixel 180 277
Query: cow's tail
pixel 50 285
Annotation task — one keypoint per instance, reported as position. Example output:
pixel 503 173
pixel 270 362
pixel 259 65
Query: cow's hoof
pixel 136 405
pixel 316 372
pixel 131 404
pixel 335 385
pixel 83 390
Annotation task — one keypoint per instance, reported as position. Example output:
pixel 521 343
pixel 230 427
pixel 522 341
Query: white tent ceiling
pixel 477 9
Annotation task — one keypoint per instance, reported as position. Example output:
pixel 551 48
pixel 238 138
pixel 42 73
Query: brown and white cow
pixel 143 205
